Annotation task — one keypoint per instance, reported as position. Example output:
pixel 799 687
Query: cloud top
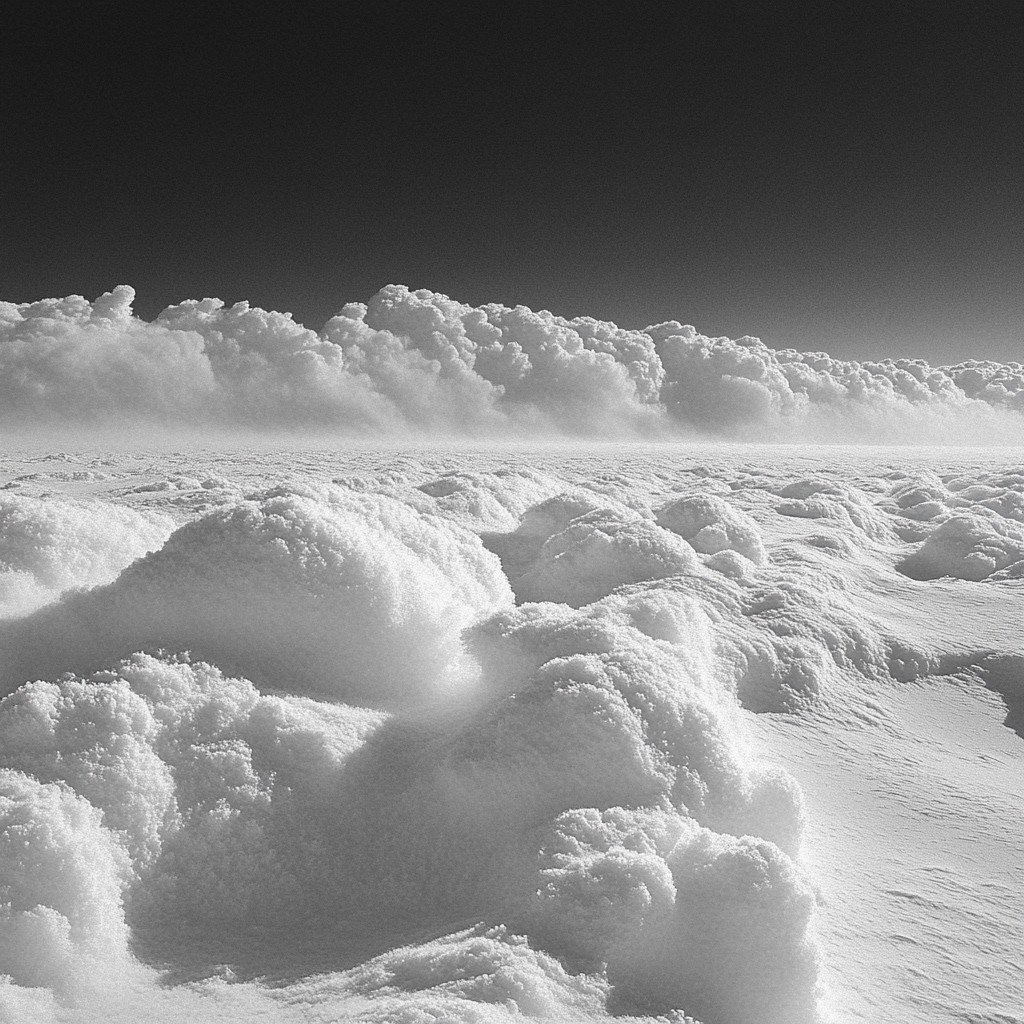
pixel 409 361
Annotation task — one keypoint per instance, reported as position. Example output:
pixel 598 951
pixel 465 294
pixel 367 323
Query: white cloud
pixel 414 360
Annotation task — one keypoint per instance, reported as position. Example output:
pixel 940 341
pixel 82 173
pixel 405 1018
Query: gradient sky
pixel 846 180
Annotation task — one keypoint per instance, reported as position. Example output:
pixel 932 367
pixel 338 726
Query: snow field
pixel 487 734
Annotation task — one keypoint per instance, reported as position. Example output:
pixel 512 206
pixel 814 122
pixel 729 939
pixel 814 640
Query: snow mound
pixel 371 754
pixel 733 945
pixel 650 661
pixel 48 547
pixel 968 547
pixel 61 871
pixel 476 976
pixel 207 789
pixel 710 525
pixel 488 501
pixel 593 787
pixel 354 596
pixel 519 549
pixel 599 551
pixel 846 507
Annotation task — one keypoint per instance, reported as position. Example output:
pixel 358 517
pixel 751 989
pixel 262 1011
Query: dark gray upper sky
pixel 846 180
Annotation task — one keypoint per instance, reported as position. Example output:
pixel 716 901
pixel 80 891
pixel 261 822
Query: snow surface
pixel 707 732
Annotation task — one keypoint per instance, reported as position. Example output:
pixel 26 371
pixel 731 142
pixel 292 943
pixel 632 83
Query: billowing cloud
pixel 414 360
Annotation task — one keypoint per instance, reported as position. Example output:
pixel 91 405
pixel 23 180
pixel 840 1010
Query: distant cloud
pixel 417 360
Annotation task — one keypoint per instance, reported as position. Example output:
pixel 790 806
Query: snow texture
pixel 412 743
pixel 49 547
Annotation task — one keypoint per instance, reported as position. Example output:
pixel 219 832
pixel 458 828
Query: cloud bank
pixel 409 361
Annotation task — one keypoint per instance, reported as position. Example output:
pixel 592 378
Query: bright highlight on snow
pixel 398 736
pixel 407 361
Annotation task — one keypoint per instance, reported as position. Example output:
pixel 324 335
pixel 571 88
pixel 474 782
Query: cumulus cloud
pixel 409 360
pixel 90 362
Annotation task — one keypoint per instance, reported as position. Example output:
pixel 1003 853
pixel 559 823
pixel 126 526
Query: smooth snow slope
pixel 711 732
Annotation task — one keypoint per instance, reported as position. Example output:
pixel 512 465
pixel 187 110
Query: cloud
pixel 407 361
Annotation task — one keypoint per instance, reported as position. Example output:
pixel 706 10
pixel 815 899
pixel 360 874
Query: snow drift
pixel 467 746
pixel 409 360
pixel 318 710
pixel 353 596
pixel 49 547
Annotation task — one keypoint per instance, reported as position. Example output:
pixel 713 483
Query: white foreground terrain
pixel 694 732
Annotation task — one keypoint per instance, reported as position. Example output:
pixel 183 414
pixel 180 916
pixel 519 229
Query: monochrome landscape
pixel 473 663
pixel 575 570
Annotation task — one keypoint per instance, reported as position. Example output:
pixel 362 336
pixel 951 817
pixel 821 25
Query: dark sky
pixel 847 180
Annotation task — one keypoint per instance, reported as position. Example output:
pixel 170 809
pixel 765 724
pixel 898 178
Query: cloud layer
pixel 409 361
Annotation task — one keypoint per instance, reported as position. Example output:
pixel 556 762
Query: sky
pixel 824 179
